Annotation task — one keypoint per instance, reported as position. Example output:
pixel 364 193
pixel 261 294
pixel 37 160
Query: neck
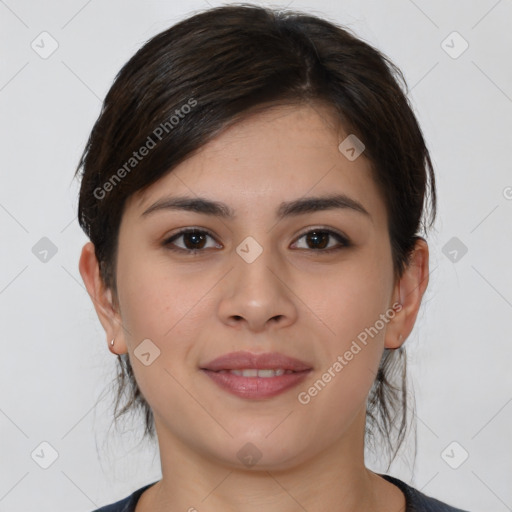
pixel 335 479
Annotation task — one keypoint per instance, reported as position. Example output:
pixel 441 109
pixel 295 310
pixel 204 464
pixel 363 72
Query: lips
pixel 259 384
pixel 248 360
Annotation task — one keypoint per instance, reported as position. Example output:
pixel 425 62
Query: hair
pixel 210 70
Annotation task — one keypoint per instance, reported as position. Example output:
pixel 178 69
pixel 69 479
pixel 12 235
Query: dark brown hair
pixel 188 83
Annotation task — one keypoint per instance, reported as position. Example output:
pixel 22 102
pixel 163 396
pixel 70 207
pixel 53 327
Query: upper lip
pixel 264 361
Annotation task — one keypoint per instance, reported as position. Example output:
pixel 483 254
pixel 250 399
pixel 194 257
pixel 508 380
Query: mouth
pixel 259 372
pixel 256 376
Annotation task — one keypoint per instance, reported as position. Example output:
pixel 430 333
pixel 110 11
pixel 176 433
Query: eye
pixel 319 238
pixel 194 240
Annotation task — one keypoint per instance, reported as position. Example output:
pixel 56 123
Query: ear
pixel 102 299
pixel 408 292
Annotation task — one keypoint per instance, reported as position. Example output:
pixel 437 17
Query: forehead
pixel 281 153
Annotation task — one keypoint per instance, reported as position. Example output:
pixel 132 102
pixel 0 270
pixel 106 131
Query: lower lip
pixel 256 387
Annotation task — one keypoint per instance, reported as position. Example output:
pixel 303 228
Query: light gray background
pixel 55 362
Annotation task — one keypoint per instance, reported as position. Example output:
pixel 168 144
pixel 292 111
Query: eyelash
pixel 341 238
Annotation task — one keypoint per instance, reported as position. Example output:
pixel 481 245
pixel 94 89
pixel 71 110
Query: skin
pixel 292 299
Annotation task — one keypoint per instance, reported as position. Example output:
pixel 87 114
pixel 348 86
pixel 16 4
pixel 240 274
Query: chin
pixel 263 452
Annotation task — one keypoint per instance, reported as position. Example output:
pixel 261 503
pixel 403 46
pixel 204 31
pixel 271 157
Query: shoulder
pixel 127 504
pixel 416 501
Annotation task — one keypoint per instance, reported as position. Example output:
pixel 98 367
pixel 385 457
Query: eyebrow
pixel 286 209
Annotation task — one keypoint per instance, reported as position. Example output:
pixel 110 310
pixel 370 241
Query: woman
pixel 254 190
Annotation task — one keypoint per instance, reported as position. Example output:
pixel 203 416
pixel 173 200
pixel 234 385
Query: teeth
pixel 254 372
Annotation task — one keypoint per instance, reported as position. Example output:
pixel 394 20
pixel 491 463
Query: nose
pixel 258 295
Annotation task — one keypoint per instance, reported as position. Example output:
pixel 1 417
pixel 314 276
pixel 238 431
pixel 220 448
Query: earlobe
pixel 409 292
pixel 114 351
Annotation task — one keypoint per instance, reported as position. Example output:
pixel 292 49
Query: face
pixel 304 283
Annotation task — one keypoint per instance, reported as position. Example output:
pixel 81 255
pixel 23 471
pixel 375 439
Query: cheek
pixel 355 303
pixel 163 305
pixel 354 297
pixel 157 300
pixel 352 349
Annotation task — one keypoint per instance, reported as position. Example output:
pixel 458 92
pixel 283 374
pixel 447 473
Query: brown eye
pixel 194 240
pixel 320 239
